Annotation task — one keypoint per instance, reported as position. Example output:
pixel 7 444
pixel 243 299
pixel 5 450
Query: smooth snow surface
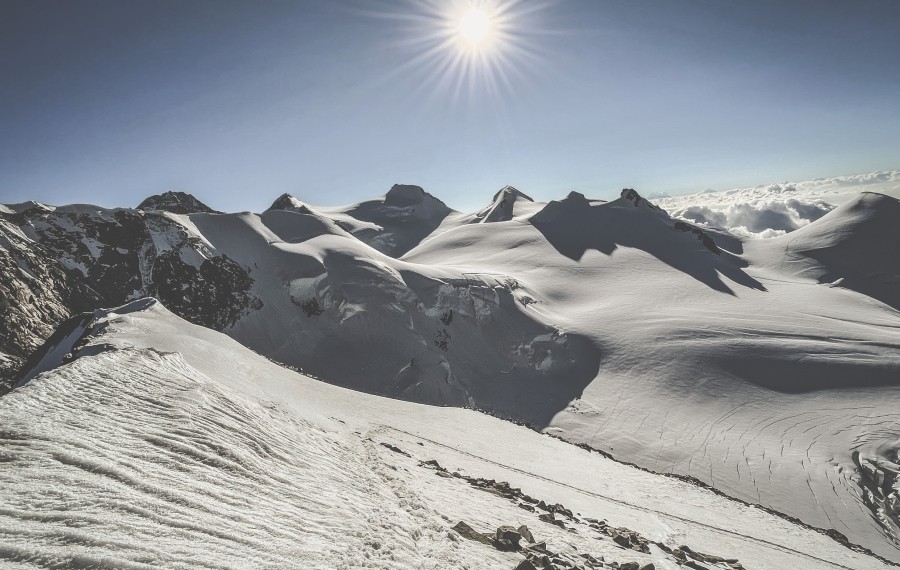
pixel 170 445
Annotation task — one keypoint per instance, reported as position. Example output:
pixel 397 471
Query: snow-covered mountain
pixel 150 442
pixel 768 369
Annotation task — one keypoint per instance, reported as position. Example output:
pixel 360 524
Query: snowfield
pixel 766 368
pixel 166 444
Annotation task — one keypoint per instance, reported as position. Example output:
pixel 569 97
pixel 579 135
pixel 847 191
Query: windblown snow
pixel 165 444
pixel 768 369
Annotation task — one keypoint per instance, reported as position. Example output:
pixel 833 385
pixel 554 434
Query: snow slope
pixel 161 443
pixel 609 324
pixel 856 245
pixel 740 374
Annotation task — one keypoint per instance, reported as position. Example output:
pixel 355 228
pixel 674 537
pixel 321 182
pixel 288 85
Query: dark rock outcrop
pixel 55 263
pixel 176 203
pixel 36 294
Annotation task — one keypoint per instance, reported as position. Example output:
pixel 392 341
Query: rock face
pixel 36 293
pixel 58 262
pixel 175 202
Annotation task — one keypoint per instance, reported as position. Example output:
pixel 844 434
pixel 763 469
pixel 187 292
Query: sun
pixel 477 50
pixel 475 27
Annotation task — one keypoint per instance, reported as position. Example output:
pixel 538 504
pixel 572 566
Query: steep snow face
pixel 344 312
pixel 162 444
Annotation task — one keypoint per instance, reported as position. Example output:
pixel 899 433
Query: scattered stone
pixel 526 565
pixel 395 449
pixel 507 539
pixel 549 518
pixel 470 533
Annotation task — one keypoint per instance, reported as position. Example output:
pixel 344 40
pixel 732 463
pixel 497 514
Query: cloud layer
pixel 776 209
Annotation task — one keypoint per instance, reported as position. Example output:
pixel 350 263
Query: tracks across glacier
pixel 623 502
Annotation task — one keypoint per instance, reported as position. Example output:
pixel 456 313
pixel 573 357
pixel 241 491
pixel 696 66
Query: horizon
pixel 335 102
pixel 837 188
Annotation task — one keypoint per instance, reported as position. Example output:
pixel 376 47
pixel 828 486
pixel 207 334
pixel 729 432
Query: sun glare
pixel 471 48
pixel 475 27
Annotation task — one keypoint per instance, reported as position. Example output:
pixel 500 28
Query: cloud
pixel 776 209
pixel 760 218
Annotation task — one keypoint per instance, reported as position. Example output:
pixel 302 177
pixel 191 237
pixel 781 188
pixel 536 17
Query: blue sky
pixel 107 102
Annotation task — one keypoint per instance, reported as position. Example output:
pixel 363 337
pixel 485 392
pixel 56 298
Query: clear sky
pixel 333 101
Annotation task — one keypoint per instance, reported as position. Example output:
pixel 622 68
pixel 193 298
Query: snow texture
pixel 165 444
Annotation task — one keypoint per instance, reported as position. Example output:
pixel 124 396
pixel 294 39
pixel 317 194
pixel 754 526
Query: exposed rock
pixel 175 202
pixel 58 262
pixel 549 518
pixel 36 294
pixel 465 531
pixel 707 241
pixel 507 539
pixel 632 196
pixel 395 449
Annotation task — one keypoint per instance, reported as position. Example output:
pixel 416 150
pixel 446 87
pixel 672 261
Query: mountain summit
pixel 506 204
pixel 176 203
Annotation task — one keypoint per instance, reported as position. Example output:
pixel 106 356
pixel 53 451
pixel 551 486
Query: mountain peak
pixel 512 191
pixel 175 202
pixel 632 196
pixel 406 195
pixel 502 206
pixel 289 202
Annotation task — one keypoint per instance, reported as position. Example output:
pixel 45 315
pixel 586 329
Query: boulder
pixel 526 534
pixel 470 533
